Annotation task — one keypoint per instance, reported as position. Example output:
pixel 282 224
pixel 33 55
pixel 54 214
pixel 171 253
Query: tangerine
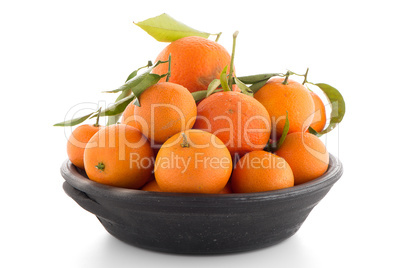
pixel 166 109
pixel 240 121
pixel 193 161
pixel 320 117
pixel 260 171
pixel 195 62
pixel 306 155
pixel 77 141
pixel 151 186
pixel 292 97
pixel 120 156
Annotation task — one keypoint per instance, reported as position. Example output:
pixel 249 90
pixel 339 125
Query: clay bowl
pixel 199 223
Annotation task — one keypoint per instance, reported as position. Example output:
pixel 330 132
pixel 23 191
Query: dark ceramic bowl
pixel 199 223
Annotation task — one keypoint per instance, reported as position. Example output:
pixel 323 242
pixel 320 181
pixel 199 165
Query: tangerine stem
pixel 305 77
pixel 100 166
pixel 97 118
pixel 218 36
pixel 185 143
pixel 232 59
pixel 285 82
pixel 169 62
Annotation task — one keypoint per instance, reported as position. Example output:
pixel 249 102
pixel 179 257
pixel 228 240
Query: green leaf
pixel 202 94
pixel 149 80
pixel 135 80
pixel 199 95
pixel 252 79
pixel 213 86
pixel 113 119
pixel 284 132
pixel 164 28
pixel 139 83
pixel 257 81
pixel 74 121
pixel 224 80
pixel 134 74
pixel 255 87
pixel 274 146
pixel 244 89
pixel 130 83
pixel 117 107
pixel 338 107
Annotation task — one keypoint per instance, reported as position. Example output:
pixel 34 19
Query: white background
pixel 56 54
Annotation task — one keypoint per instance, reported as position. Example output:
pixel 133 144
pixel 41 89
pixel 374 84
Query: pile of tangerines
pixel 226 142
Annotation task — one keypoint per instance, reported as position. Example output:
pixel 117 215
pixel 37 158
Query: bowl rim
pixel 80 182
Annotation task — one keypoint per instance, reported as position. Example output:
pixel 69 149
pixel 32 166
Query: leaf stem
pixel 218 36
pixel 168 73
pixel 305 77
pixel 97 118
pixel 232 59
pixel 285 82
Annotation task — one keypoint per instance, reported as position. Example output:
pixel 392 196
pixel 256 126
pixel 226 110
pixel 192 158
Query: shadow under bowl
pixel 199 223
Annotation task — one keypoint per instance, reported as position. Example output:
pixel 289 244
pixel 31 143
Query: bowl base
pixel 198 246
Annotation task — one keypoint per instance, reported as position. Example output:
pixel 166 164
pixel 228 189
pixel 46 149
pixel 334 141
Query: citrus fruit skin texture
pixel 151 186
pixel 306 155
pixel 240 121
pixel 260 171
pixel 77 141
pixel 293 98
pixel 320 117
pixel 204 166
pixel 122 157
pixel 166 109
pixel 195 62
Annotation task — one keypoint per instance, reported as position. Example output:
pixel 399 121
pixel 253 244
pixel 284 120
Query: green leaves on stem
pixel 113 110
pixel 74 121
pixel 113 119
pixel 134 73
pixel 335 99
pixel 164 28
pixel 338 108
pixel 257 81
pixel 137 84
pixel 134 86
pixel 117 107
